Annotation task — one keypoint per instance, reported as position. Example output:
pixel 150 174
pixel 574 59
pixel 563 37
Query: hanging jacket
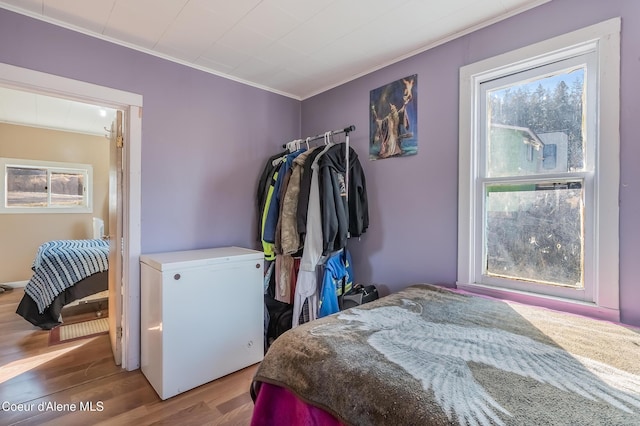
pixel 307 283
pixel 334 272
pixel 303 197
pixel 312 251
pixel 283 192
pixel 268 247
pixel 290 241
pixel 264 183
pixel 341 218
pixel 273 210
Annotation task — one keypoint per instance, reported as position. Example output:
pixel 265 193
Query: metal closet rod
pixel 321 135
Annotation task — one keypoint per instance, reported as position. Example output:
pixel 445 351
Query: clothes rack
pixel 325 135
pixel 288 190
pixel 295 144
pixel 346 131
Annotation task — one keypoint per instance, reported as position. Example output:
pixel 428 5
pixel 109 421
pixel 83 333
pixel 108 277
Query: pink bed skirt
pixel 278 406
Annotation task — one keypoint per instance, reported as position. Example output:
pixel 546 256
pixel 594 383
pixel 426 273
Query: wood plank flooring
pixel 77 383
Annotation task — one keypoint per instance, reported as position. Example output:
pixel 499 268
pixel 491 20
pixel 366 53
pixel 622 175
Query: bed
pixel 434 356
pixel 63 271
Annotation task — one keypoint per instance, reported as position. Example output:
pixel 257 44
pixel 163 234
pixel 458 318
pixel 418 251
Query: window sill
pixel 550 302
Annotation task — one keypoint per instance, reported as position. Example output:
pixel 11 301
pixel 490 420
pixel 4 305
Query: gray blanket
pixel 429 356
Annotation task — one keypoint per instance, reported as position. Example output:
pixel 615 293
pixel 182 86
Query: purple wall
pixel 413 200
pixel 204 138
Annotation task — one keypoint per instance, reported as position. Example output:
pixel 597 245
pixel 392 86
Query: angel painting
pixel 393 123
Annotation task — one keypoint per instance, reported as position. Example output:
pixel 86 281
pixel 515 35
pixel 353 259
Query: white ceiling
pixel 36 110
pixel 297 48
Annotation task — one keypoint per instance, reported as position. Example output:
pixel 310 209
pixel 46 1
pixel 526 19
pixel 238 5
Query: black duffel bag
pixel 359 295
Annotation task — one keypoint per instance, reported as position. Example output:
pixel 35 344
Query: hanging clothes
pixel 307 285
pixel 283 278
pixel 305 292
pixel 305 189
pixel 267 246
pixel 271 220
pixel 312 251
pixel 286 277
pixel 263 186
pixel 311 201
pixel 290 239
pixel 282 192
pixel 342 216
pixel 266 184
pixel 337 279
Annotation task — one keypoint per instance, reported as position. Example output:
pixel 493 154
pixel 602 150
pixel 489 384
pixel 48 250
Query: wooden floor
pixel 40 384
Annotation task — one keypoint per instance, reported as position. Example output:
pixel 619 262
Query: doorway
pixel 128 251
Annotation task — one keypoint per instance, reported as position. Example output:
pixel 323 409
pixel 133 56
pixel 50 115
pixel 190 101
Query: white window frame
pixel 51 167
pixel 602 251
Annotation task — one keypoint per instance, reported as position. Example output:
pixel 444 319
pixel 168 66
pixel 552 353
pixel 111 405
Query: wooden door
pixel 115 237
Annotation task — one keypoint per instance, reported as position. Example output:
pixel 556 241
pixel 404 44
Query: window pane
pixel 534 232
pixel 26 187
pixel 525 118
pixel 67 189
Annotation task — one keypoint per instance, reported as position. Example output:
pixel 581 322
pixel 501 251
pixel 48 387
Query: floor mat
pixel 81 330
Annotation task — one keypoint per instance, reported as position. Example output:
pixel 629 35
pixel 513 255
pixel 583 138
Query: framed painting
pixel 393 123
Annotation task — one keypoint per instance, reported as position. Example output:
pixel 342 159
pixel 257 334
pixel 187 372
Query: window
pixel 539 171
pixel 45 187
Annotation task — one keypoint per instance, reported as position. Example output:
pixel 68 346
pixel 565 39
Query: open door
pixel 115 237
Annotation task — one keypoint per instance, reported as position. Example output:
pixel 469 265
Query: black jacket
pixel 263 188
pixel 303 197
pixel 340 220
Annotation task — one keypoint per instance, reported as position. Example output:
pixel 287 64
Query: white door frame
pixel 131 103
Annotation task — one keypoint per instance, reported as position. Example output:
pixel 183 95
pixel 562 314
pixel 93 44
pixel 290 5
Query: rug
pixel 81 330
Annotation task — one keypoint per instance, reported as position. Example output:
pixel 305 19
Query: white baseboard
pixel 16 284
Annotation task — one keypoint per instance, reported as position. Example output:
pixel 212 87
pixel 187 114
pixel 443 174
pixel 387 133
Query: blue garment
pixel 273 210
pixel 348 264
pixel 334 271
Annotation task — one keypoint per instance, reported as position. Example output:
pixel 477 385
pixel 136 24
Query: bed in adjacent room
pixel 63 272
pixel 432 356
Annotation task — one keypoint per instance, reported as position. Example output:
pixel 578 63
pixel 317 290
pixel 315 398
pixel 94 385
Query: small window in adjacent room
pixel 45 187
pixel 539 170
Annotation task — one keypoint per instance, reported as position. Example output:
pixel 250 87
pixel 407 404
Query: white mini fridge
pixel 201 316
